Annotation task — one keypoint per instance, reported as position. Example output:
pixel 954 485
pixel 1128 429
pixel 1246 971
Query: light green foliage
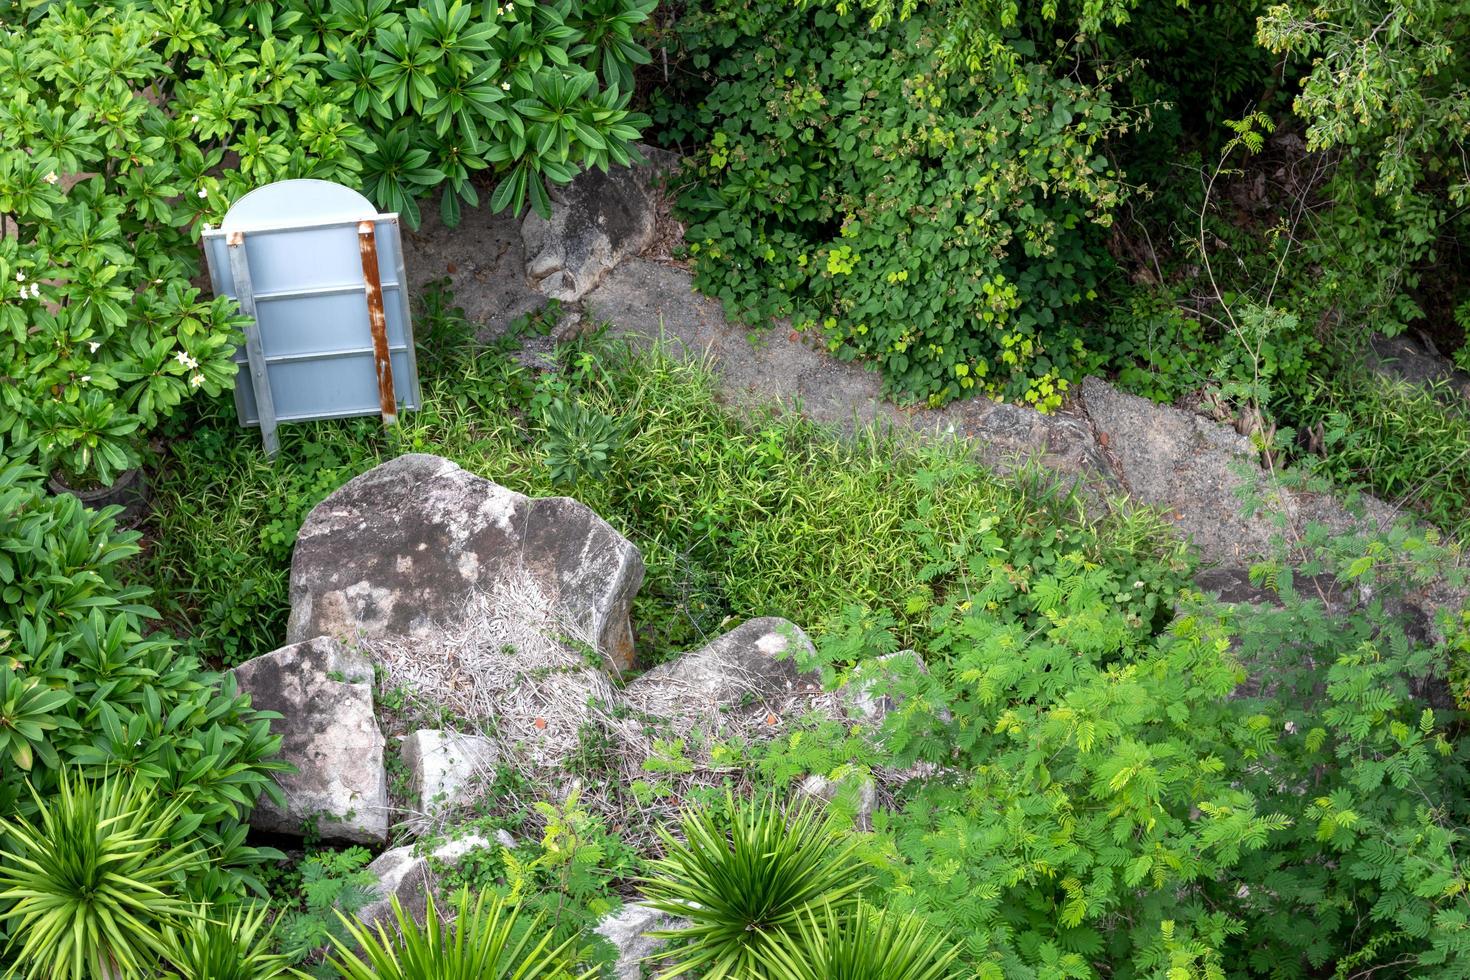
pixel 746 875
pixel 866 945
pixel 1388 78
pixel 91 881
pixel 223 944
pixel 1262 791
pixel 487 941
pixel 530 90
pixel 324 884
pixel 85 687
pixel 927 215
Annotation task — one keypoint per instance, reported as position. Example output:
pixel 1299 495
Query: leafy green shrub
pixel 580 443
pixel 90 883
pixel 101 697
pixel 745 876
pixel 446 88
pixel 1264 789
pixel 487 942
pixel 326 883
pixel 118 119
pixel 915 206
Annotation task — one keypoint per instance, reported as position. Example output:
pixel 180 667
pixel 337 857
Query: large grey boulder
pixel 445 768
pixel 324 694
pixel 628 930
pixel 749 672
pixel 1199 470
pixel 596 221
pixel 400 551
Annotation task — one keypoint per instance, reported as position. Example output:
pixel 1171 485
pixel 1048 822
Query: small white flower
pixel 51 178
pixel 35 290
pixel 86 378
pixel 1138 585
pixel 158 282
pixel 196 380
pixel 505 85
pixel 1290 727
pixel 194 118
pixel 20 277
pixel 93 346
pixel 1244 891
pixel 203 192
pixel 186 360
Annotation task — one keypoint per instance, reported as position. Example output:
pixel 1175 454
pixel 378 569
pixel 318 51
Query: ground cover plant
pixel 734 518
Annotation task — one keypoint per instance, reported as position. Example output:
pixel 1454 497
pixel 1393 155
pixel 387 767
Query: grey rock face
pixel 401 550
pixel 324 694
pixel 596 221
pixel 627 930
pixel 749 669
pixel 1199 469
pixel 408 877
pixel 443 767
pixel 1411 361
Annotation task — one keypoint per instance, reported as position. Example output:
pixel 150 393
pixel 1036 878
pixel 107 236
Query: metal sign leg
pixel 265 405
pixel 367 245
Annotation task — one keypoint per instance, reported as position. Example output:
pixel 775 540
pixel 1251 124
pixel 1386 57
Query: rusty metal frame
pixel 367 247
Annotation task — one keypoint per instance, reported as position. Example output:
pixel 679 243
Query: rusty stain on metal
pixel 367 242
pixel 235 238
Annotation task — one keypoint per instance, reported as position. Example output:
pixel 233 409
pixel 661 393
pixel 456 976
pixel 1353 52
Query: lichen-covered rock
pixel 408 876
pixel 596 221
pixel 443 768
pixel 324 694
pixel 1200 470
pixel 628 930
pixel 401 550
pixel 749 671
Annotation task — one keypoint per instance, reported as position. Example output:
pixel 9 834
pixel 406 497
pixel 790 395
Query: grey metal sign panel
pixel 321 275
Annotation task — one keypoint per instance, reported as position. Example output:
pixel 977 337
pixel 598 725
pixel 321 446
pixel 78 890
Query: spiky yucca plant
pixel 487 941
pixel 862 945
pixel 90 884
pixel 744 876
pixel 238 946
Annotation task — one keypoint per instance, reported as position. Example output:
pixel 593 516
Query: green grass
pixel 735 516
pixel 1409 445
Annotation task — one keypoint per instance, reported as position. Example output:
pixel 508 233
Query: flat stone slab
pixel 324 694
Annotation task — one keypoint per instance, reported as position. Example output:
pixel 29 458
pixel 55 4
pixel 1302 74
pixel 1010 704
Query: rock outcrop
pixel 751 670
pixel 596 221
pixel 408 876
pixel 401 550
pixel 1201 472
pixel 628 930
pixel 324 695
